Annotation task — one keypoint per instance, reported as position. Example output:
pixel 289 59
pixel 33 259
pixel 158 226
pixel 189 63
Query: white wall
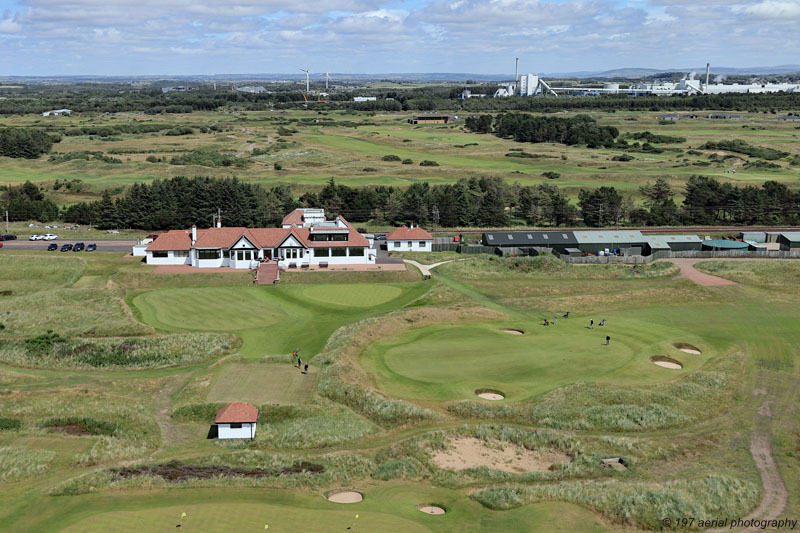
pixel 415 246
pixel 224 431
pixel 169 260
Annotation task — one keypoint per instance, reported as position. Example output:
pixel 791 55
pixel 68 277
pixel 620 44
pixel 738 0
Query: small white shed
pixel 237 420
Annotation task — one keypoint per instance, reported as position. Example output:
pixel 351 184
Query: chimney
pixel 411 226
pixel 708 71
pixel 194 235
pixel 219 221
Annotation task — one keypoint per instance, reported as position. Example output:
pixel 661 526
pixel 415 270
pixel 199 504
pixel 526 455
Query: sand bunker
pixel 490 394
pixel 344 496
pixel 513 331
pixel 431 509
pixel 469 452
pixel 666 362
pixel 687 348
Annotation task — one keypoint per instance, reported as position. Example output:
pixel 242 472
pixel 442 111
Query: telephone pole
pixel 7 221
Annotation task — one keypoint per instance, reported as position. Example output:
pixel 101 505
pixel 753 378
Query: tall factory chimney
pixel 516 74
pixel 708 71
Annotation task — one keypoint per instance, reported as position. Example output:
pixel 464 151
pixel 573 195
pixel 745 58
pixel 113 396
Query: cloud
pixel 197 36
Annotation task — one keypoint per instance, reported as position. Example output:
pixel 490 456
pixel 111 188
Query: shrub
pixel 209 158
pixel 741 147
pixel 152 159
pixel 25 143
pixel 428 163
pixel 277 166
pixel 369 169
pixel 10 423
pixel 408 162
pixel 179 130
pixel 551 175
pixel 391 158
pixel 623 157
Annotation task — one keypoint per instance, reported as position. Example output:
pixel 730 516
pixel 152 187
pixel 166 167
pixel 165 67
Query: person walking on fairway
pixel 294 356
pixel 555 320
pixel 305 369
pixel 608 339
pixel 591 323
pixel 299 362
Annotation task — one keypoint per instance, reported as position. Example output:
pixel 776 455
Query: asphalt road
pixel 103 245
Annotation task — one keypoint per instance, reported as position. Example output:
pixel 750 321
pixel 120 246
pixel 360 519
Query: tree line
pixel 471 202
pixel 580 129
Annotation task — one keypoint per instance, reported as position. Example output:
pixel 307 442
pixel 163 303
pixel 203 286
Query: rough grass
pixel 20 463
pixel 412 459
pixel 24 274
pixel 640 504
pixel 115 353
pixel 135 433
pixel 71 312
pixel 549 267
pixel 783 276
pixel 593 406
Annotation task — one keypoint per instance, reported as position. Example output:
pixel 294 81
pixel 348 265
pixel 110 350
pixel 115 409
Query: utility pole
pixel 7 221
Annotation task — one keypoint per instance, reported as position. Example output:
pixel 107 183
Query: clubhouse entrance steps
pixel 267 274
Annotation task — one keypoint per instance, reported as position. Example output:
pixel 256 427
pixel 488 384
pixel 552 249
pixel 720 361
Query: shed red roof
pixel 237 413
pixel 403 233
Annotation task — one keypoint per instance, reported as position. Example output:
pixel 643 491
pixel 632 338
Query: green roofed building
pixel 598 241
pixel 724 245
pixel 789 241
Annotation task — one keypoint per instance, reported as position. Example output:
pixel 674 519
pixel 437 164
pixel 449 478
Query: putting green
pixel 445 363
pixel 209 308
pixel 352 295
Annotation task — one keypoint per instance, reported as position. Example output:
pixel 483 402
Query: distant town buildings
pixel 365 98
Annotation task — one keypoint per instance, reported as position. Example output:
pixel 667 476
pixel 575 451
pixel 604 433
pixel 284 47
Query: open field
pixel 350 146
pixel 389 407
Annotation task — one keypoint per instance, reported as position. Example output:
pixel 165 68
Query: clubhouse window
pixel 338 252
pixel 160 254
pixel 208 254
pixel 322 252
pixel 356 252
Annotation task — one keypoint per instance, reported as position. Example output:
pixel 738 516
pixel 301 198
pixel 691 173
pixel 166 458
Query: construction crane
pixel 319 98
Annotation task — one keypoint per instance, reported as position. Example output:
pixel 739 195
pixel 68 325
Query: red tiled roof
pixel 176 239
pixel 295 217
pixel 404 234
pixel 237 413
pixel 221 237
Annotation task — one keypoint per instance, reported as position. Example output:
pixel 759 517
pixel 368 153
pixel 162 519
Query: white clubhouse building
pixel 306 238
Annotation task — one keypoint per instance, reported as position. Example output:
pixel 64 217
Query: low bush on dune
pixel 636 503
pixel 10 423
pixel 51 350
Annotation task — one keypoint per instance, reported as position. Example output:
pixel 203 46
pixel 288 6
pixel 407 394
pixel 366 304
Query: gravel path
pixel 688 271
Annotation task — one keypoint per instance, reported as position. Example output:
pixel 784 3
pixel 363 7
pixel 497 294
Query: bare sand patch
pixel 344 496
pixel 687 348
pixel 470 452
pixel 666 362
pixel 490 394
pixel 513 331
pixel 431 509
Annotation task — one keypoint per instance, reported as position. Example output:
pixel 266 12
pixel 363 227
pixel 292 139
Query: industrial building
pixel 622 242
pixel 429 119
pixel 533 85
pixel 365 98
pixel 558 241
pixel 789 241
pixel 790 118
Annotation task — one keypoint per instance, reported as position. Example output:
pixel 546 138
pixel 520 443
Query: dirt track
pixel 688 271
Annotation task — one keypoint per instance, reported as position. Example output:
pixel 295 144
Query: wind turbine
pixel 306 70
pixel 327 78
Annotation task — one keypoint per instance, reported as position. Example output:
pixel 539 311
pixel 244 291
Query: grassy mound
pixel 51 350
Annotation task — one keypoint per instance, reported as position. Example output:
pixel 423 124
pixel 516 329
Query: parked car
pixel 66 248
pixel 50 236
pixel 91 248
pixel 380 237
pixel 36 237
pixel 1 244
pixel 79 246
pixel 7 237
pixel 52 247
pixel 153 236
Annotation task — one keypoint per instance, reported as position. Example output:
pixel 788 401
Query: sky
pixel 161 37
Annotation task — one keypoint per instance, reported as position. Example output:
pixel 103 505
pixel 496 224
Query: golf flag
pixel 183 515
pixel 356 516
pixel 266 526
